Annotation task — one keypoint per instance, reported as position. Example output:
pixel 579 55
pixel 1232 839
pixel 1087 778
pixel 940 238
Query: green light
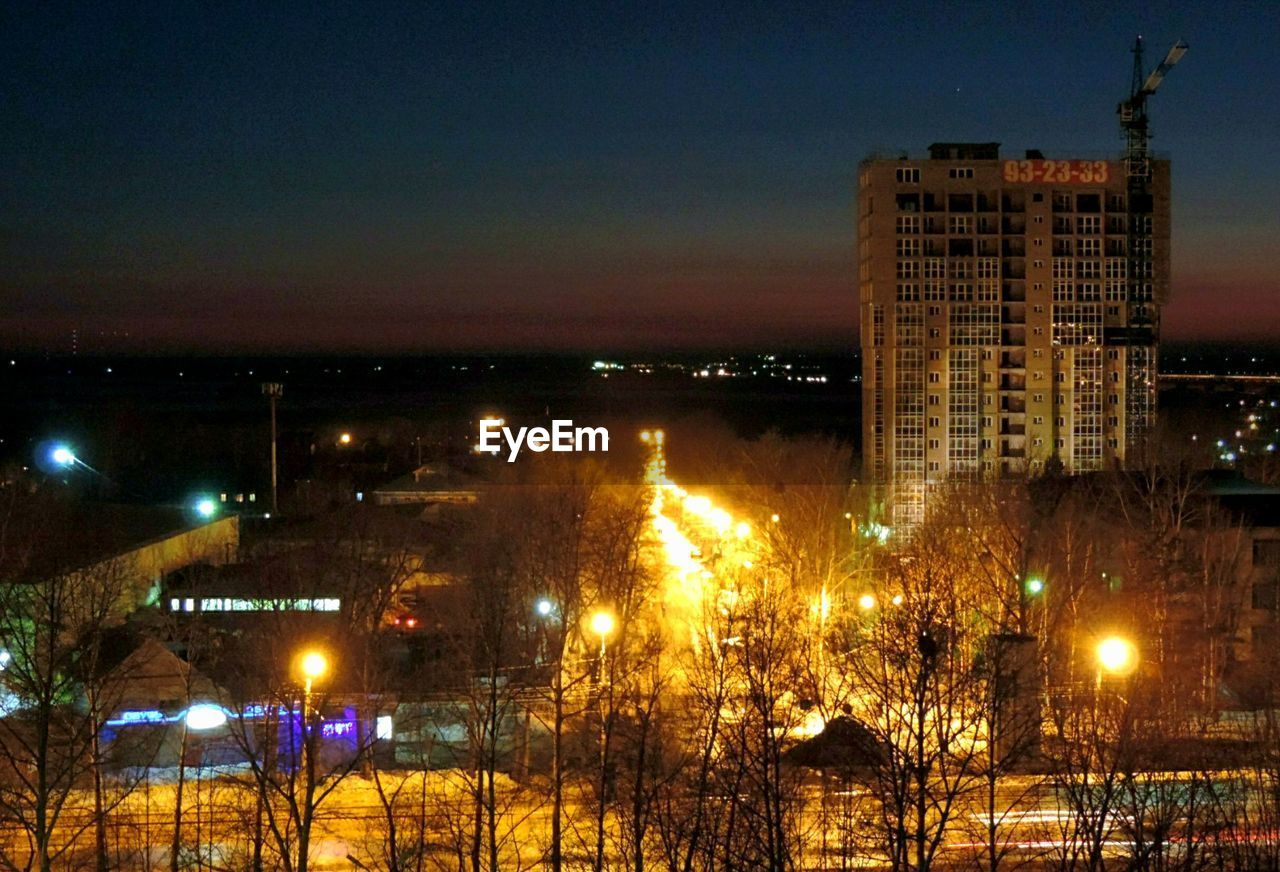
pixel 1035 586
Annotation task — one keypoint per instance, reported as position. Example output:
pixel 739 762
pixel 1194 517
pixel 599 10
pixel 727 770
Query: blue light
pixel 206 507
pixel 63 456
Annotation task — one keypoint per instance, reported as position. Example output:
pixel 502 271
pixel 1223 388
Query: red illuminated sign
pixel 1076 172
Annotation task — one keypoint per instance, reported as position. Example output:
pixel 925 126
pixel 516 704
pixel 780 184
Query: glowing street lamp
pixel 1034 586
pixel 344 439
pixel 1117 656
pixel 602 624
pixel 206 507
pixel 544 607
pixel 866 602
pixel 63 456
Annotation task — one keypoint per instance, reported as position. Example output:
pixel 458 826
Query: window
pixel 935 444
pixel 1063 268
pixel 961 172
pixel 1038 309
pixel 935 421
pixel 935 400
pixel 988 267
pixel 935 466
pixel 1088 224
pixel 935 268
pixel 1062 443
pixel 935 310
pixel 908 176
pixel 1063 291
pixel 935 354
pixel 908 269
pixel 1037 197
pixel 961 269
pixel 1037 331
pixel 1089 291
pixel 1037 441
pixel 1088 247
pixel 1037 375
pixel 1115 290
pixel 1116 268
pixel 1037 263
pixel 935 333
pixel 1037 352
pixel 986 420
pixel 908 223
pixel 1089 269
pixel 1038 419
pixel 935 291
pixel 1113 421
pixel 935 378
pixel 1037 398
pixel 908 292
pixel 1266 552
pixel 986 444
pixel 959 225
pixel 908 248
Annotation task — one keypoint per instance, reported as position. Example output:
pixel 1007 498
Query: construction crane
pixel 1143 323
pixel 1133 112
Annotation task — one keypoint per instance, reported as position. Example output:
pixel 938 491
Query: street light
pixel 866 602
pixel 1117 656
pixel 1035 586
pixel 63 456
pixel 206 507
pixel 345 439
pixel 602 625
pixel 544 607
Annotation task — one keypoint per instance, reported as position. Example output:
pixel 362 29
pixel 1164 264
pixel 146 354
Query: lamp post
pixel 313 665
pixel 1116 656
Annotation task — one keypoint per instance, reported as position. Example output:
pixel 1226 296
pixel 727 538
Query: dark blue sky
pixel 369 175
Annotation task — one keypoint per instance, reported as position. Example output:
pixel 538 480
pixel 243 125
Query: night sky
pixel 635 176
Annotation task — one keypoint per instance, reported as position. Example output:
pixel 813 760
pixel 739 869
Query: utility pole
pixel 273 391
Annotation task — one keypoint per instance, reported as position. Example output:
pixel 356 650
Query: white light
pixel 205 716
pixel 383 728
pixel 63 456
pixel 206 507
pixel 544 607
pixel 5 659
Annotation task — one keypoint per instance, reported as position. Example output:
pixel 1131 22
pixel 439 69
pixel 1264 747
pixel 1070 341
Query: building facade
pixel 1009 315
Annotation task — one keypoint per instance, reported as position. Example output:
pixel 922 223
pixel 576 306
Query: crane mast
pixel 1140 368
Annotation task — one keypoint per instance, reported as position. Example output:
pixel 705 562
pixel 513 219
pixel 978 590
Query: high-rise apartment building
pixel 1009 313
